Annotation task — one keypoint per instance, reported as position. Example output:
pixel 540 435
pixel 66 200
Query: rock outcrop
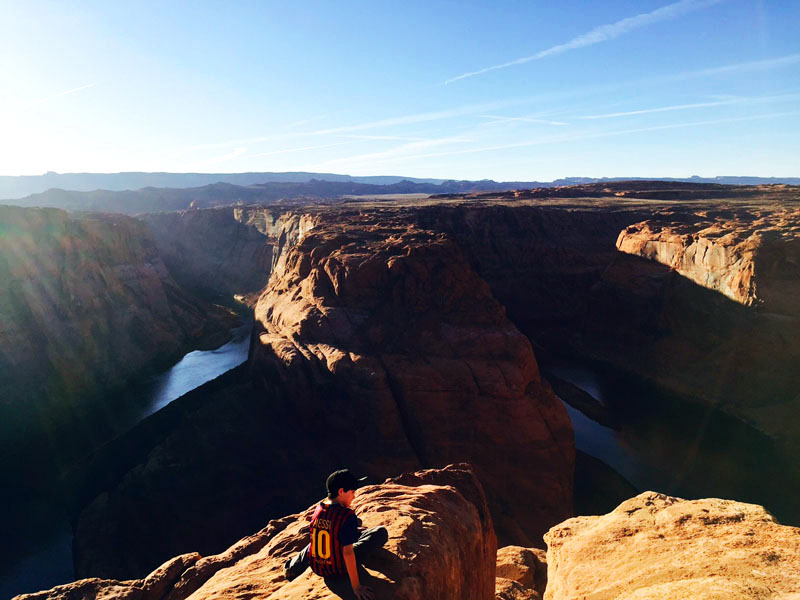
pixel 751 256
pixel 521 573
pixel 657 546
pixel 441 545
pixel 384 329
pixel 378 321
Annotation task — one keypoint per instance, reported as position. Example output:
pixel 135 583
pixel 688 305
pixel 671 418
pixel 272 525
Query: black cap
pixel 343 479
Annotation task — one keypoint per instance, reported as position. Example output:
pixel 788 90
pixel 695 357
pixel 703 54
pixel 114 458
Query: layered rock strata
pixel 750 256
pixel 441 545
pixel 384 330
pixel 212 252
pixel 557 269
pixel 657 546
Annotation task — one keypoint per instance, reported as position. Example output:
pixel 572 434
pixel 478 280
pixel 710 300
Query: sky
pixel 510 90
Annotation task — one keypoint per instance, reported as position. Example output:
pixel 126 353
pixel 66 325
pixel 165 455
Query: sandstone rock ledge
pixel 750 256
pixel 441 546
pixel 659 547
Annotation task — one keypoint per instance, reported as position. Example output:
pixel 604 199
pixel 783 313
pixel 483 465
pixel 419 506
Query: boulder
pixel 153 587
pixel 657 546
pixel 521 573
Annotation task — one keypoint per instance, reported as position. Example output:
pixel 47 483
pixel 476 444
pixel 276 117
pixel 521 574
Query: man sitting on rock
pixel 336 543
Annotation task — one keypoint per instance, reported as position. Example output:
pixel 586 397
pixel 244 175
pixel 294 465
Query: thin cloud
pixel 303 148
pixel 779 98
pixel 72 91
pixel 657 110
pixel 284 135
pixel 223 157
pixel 602 33
pixel 400 138
pixel 499 119
pixel 579 137
pixel 754 65
pixel 397 152
pixel 237 142
pixel 421 117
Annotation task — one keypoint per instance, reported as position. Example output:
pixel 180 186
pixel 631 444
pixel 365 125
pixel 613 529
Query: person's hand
pixel 362 592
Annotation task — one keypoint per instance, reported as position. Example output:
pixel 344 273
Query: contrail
pixel 603 33
pixel 754 100
pixel 72 91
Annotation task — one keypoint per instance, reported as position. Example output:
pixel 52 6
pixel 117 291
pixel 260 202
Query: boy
pixel 335 540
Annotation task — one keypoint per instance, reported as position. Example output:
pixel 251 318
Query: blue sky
pixel 505 90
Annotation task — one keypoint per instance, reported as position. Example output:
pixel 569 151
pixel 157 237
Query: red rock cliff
pixel 751 256
pixel 383 330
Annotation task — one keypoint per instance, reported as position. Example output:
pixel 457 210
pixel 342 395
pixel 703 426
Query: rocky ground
pixel 442 545
pixel 657 546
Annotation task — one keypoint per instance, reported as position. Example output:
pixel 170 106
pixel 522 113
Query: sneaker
pixel 286 573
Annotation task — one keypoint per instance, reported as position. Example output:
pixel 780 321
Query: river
pixel 42 553
pixel 662 443
pixel 680 447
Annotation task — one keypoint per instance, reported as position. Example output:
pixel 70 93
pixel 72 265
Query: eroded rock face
pixel 558 271
pixel 385 330
pixel 353 281
pixel 215 252
pixel 153 587
pixel 403 360
pixel 441 545
pixel 750 256
pixel 521 573
pixel 657 546
pixel 85 303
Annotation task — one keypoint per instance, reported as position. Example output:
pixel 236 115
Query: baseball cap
pixel 342 479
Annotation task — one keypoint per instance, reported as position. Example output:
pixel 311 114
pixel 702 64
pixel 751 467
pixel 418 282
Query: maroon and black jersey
pixel 332 527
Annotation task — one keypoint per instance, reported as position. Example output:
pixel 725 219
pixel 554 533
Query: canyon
pixel 87 302
pixel 394 336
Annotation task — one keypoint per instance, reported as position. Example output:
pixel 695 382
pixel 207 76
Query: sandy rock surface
pixel 441 545
pixel 659 547
pixel 521 573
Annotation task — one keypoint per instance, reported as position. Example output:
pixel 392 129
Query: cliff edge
pixel 441 545
pixel 659 547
